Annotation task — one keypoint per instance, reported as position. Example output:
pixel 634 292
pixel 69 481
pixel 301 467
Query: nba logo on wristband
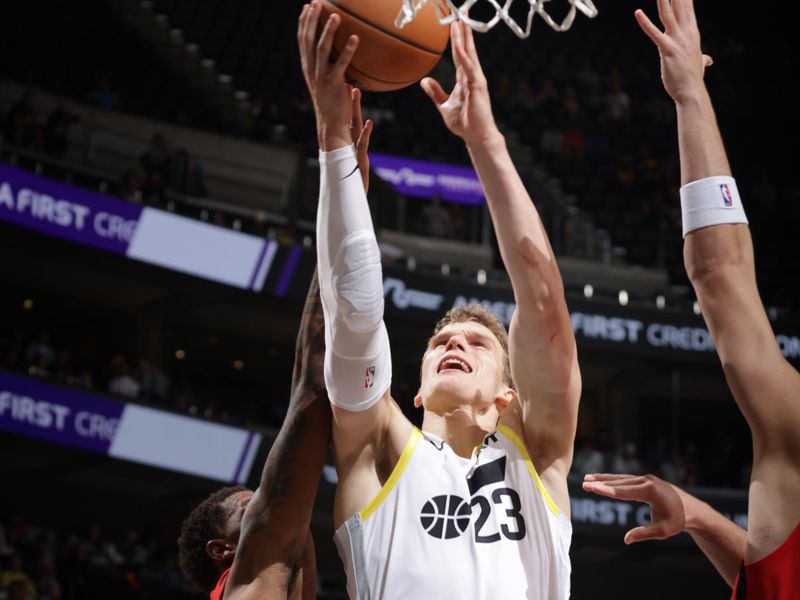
pixel 369 377
pixel 727 197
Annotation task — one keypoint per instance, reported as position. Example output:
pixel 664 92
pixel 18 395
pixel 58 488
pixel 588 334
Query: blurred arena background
pixel 187 122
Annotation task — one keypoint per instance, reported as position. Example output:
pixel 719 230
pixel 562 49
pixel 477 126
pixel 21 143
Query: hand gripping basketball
pixel 332 98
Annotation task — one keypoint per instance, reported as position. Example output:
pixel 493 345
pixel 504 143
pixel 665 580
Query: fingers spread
pixel 434 90
pixel 667 15
pixel 649 28
pixel 473 63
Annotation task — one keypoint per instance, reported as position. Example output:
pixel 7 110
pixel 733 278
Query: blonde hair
pixel 478 314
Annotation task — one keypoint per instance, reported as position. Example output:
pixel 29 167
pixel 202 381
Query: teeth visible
pixel 455 363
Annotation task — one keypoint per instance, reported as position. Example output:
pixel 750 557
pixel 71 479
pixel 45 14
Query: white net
pixel 448 11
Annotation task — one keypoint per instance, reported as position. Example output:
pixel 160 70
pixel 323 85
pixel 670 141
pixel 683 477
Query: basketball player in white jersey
pixel 476 504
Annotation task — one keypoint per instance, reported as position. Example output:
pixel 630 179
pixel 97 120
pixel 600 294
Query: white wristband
pixel 711 201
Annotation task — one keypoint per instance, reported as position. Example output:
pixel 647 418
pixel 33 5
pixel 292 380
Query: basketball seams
pixel 383 30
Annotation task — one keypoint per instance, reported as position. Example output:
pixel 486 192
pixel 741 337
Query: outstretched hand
pixel 332 97
pixel 683 63
pixel 667 503
pixel 467 110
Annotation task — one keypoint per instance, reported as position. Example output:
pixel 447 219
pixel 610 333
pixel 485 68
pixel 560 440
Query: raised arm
pixel 718 252
pixel 275 539
pixel 672 511
pixel 542 345
pixel 358 367
pixel 719 258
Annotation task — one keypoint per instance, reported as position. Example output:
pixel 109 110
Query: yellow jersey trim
pixel 512 435
pixel 402 463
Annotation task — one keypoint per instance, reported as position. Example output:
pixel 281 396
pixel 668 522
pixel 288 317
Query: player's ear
pixel 220 550
pixel 505 398
pixel 418 399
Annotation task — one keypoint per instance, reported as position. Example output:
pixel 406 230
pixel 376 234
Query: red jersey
pixel 774 577
pixel 216 593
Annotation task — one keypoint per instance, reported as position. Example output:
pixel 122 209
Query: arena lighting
pixel 445 269
pixel 238 364
pixel 411 263
pixel 696 307
pixel 623 298
pixel 180 354
pixel 772 312
pixel 307 241
pixel 588 290
pixel 481 277
pixel 27 304
pixel 661 302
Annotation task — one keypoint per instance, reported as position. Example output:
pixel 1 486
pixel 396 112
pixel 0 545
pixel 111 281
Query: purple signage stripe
pixel 238 475
pixel 288 270
pixel 66 211
pixel 425 179
pixel 261 255
pixel 59 415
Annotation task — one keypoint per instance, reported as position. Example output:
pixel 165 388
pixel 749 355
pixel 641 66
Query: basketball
pixel 388 58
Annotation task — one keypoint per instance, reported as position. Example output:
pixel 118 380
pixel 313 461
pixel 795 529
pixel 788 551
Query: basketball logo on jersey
pixel 448 516
pixel 445 517
pixel 727 196
pixel 369 377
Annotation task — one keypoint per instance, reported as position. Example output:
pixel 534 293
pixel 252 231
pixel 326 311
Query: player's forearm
pixel 722 541
pixel 523 242
pixel 357 364
pixel 308 381
pixel 701 149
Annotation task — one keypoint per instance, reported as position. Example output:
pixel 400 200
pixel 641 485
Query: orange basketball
pixel 388 58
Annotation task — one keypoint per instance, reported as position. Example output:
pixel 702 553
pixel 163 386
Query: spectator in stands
pixel 435 220
pixel 187 174
pixel 588 459
pixel 121 382
pixel 154 384
pixel 130 186
pixel 40 347
pixel 22 125
pixel 104 96
pixel 626 461
pixel 153 188
pixel 618 102
pixel 39 368
pixel 16 581
pixel 157 156
pixel 56 130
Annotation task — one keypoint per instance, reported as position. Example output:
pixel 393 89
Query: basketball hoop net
pixel 412 7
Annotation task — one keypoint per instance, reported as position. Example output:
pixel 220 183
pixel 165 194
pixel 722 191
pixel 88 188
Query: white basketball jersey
pixel 445 527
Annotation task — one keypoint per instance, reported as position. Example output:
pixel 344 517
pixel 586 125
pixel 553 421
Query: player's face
pixel 463 364
pixel 234 507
